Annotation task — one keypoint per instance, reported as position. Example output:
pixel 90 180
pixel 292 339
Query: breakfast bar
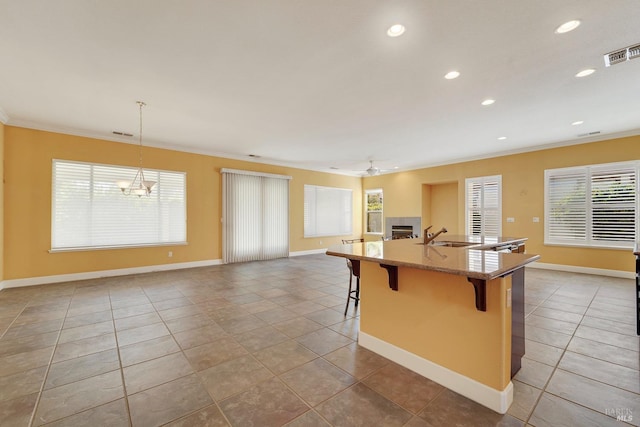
pixel 452 311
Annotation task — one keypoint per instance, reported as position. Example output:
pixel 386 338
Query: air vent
pixel 622 55
pixel 115 132
pixel 634 52
pixel 597 132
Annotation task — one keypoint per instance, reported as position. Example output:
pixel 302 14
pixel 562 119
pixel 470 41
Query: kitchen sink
pixel 449 244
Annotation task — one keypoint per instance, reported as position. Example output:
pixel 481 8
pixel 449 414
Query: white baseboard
pixel 310 252
pixel 584 270
pixel 41 280
pixel 496 400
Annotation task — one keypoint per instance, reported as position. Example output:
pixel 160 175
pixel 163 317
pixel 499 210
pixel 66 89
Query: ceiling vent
pixel 116 132
pixel 597 132
pixel 622 55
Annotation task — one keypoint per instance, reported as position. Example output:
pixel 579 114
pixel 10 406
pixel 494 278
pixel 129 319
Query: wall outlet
pixel 536 219
pixel 170 254
pixel 320 243
pixel 511 219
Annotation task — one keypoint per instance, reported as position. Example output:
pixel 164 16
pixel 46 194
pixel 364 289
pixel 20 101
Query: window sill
pixel 586 246
pixel 105 248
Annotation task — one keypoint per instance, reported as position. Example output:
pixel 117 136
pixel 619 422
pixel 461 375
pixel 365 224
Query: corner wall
pixel 2 127
pixel 522 195
pixel 27 215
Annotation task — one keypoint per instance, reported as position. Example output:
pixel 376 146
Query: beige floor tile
pixel 553 411
pixel 82 367
pixel 406 388
pixel 168 402
pixel 234 376
pixel 323 341
pixel 269 403
pixel 207 355
pixel 317 381
pixel 21 383
pixel 356 360
pixel 17 412
pixel 69 399
pixel 147 350
pixel 83 347
pixel 525 398
pixel 361 406
pixel 200 336
pixel 143 333
pixel 25 361
pixel 111 414
pixel 155 372
pixel 206 417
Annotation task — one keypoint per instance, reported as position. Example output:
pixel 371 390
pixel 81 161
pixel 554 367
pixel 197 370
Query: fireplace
pixel 401 231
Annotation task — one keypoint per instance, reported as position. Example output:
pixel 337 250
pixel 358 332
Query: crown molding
pixel 4 118
pixel 274 162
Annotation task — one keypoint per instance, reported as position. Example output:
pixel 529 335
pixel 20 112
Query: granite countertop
pixel 476 261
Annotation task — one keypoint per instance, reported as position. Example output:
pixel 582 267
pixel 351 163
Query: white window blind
pixel 328 211
pixel 592 205
pixel 484 205
pixel 255 215
pixel 90 211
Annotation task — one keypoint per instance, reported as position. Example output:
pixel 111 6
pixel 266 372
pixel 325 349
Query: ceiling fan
pixel 373 171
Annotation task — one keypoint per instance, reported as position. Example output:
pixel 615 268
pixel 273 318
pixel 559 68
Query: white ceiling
pixel 319 84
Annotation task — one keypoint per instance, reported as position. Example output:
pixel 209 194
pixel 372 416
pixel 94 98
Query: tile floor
pixel 266 344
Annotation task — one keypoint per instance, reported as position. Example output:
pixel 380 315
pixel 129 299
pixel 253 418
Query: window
pixel 255 216
pixel 484 206
pixel 328 211
pixel 592 205
pixel 89 210
pixel 374 211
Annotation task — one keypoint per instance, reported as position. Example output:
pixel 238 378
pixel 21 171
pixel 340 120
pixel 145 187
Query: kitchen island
pixel 452 311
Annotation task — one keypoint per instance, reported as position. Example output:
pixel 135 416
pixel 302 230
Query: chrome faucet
pixel 430 237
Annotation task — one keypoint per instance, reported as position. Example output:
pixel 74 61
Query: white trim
pixel 42 280
pixel 253 173
pixel 309 252
pixel 496 400
pixel 583 270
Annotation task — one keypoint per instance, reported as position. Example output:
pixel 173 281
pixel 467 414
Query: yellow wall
pixel 27 209
pixel 1 201
pixel 26 202
pixel 433 315
pixel 443 206
pixel 522 195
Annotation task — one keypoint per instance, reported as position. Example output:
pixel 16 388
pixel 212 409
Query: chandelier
pixel 138 186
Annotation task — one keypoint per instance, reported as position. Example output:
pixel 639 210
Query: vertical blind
pixel 255 216
pixel 328 211
pixel 484 206
pixel 592 205
pixel 90 211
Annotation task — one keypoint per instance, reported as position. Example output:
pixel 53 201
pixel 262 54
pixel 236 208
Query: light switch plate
pixel 508 298
pixel 511 219
pixel 536 219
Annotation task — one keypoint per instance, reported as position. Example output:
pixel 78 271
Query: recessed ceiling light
pixel 395 30
pixel 585 73
pixel 576 123
pixel 451 75
pixel 488 101
pixel 396 167
pixel 502 138
pixel 568 26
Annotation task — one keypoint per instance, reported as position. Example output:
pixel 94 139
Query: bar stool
pixel 354 270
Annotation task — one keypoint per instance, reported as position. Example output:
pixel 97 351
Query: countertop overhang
pixel 476 261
